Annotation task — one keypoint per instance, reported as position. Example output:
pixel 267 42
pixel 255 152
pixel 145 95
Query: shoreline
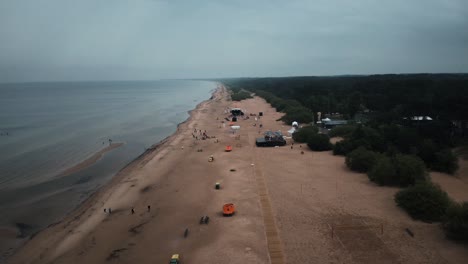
pixel 88 162
pixel 80 209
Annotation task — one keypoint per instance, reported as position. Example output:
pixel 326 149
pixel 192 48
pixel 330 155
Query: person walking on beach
pixel 105 210
pixel 110 210
pixel 149 208
pixel 133 211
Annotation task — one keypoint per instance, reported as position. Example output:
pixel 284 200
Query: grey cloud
pixel 150 39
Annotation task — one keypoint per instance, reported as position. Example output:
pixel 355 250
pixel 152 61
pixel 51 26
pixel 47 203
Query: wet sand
pixel 89 161
pixel 291 207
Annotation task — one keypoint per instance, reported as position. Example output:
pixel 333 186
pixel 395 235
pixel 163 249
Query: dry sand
pixel 287 203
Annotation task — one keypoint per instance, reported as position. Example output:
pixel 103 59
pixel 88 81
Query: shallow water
pixel 46 128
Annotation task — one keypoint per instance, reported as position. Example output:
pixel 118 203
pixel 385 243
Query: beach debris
pixel 302 152
pixel 229 209
pixel 409 232
pixel 217 186
pixel 186 232
pixel 204 220
pixel 174 259
pixel 199 150
pixel 115 253
pixel 146 188
pixel 138 228
pixel 211 158
pixel 133 210
pixel 232 170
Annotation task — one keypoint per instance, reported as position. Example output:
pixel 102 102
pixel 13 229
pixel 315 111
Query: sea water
pixel 46 128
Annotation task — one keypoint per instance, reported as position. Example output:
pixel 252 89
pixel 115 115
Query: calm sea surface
pixel 48 127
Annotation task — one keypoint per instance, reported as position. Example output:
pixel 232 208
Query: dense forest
pixel 379 98
pixel 382 137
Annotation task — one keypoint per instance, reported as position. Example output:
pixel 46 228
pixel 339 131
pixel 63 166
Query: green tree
pixel 354 104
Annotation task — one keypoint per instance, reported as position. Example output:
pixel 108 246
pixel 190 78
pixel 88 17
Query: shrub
pixel 384 172
pixel 303 133
pixel 409 169
pixel 424 201
pixel 342 147
pixel 341 131
pixel 241 95
pixel 361 159
pixel 319 142
pixel 455 222
pixel 445 161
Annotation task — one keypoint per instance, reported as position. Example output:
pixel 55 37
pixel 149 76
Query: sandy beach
pixel 291 207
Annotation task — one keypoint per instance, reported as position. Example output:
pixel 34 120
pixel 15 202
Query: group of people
pixel 198 134
pixel 109 210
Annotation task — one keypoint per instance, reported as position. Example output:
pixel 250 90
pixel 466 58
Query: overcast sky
pixel 56 40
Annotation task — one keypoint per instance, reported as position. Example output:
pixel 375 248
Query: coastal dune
pixel 292 205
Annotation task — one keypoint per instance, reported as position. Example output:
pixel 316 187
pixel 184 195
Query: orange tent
pixel 228 209
pixel 228 148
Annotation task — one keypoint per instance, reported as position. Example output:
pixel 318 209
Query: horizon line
pixel 245 77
